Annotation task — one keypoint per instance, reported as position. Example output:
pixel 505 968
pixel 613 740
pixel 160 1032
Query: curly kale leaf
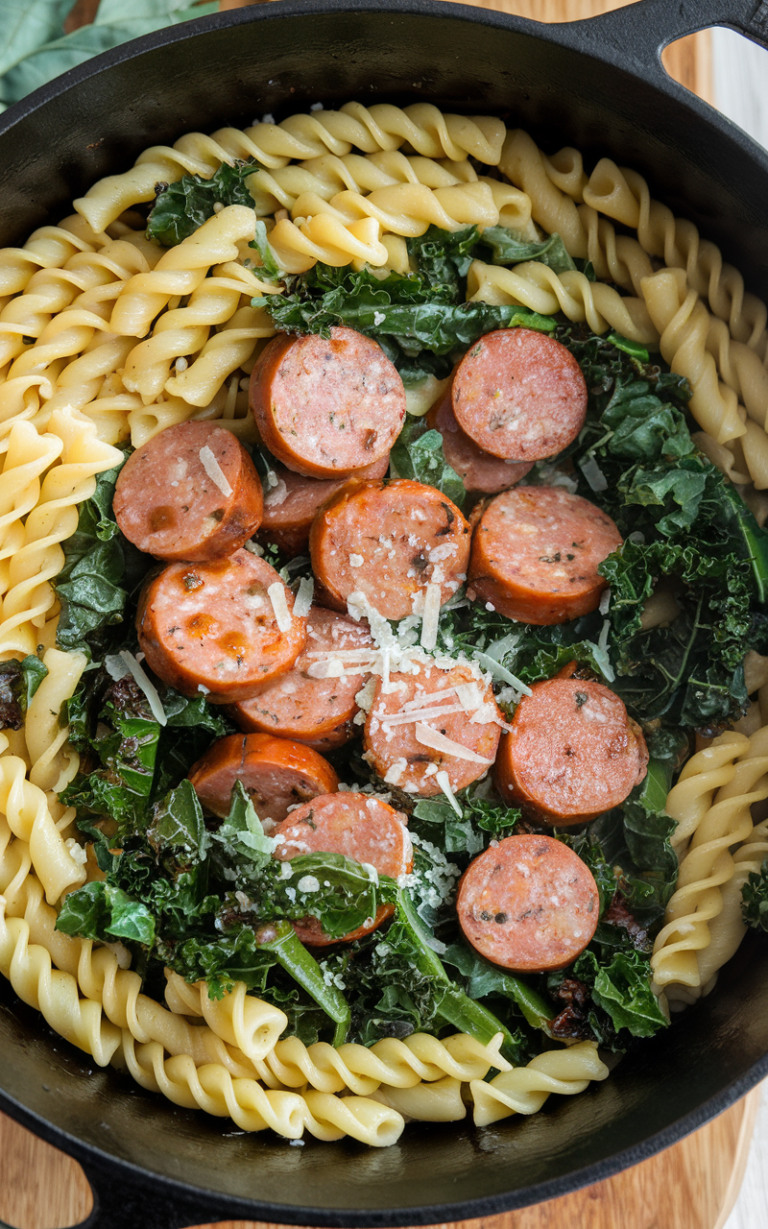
pixel 754 897
pixel 181 207
pixel 19 680
pixel 418 455
pixel 622 989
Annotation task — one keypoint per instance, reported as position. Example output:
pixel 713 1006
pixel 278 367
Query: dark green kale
pixel 19 680
pixel 421 327
pixel 181 207
pixel 754 897
pixel 418 454
pixel 507 248
pixel 481 821
pixel 622 989
pixel 101 569
pixel 635 837
pixel 683 522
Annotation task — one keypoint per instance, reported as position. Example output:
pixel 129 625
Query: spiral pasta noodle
pixel 329 174
pixel 537 286
pixel 254 1108
pixel 523 1090
pixel 186 330
pixel 624 195
pixel 38 558
pixel 708 864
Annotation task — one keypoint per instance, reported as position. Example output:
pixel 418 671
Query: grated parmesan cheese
pixel 146 685
pixel 303 601
pixel 444 782
pixel 438 742
pixel 501 673
pixel 430 616
pixel 593 474
pixel 276 594
pixel 214 470
pixel 425 714
pixel 115 667
pixel 469 697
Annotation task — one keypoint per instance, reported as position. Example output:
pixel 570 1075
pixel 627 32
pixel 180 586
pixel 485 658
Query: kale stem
pixel 455 1006
pixel 280 939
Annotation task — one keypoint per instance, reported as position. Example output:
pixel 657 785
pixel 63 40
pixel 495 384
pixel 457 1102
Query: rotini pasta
pixel 707 864
pixel 523 1090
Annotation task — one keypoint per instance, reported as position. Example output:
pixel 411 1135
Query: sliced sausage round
pixel 327 406
pixel 291 504
pixel 528 904
pixel 389 543
pixel 572 752
pixel 478 470
pixel 535 554
pixel 214 628
pixel 314 702
pixel 356 825
pixel 275 773
pixel 421 725
pixel 519 395
pixel 190 493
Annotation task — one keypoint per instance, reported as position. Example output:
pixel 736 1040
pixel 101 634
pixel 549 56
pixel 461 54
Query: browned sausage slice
pixel 389 543
pixel 314 702
pixel 326 407
pixel 190 493
pixel 360 827
pixel 420 726
pixel 478 470
pixel 220 628
pixel 519 395
pixel 528 904
pixel 572 752
pixel 276 773
pixel 292 502
pixel 535 553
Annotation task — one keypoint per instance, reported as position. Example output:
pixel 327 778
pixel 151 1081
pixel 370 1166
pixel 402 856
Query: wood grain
pixel 690 1186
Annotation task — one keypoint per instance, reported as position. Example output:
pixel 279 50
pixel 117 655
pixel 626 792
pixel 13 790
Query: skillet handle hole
pixel 41 1188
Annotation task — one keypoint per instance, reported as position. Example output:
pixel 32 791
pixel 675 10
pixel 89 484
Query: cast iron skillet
pixel 598 85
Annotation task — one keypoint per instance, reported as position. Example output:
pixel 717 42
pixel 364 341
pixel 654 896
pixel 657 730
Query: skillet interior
pixel 228 70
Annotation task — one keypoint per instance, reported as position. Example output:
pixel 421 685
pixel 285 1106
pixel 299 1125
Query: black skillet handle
pixel 127 1200
pixel 638 33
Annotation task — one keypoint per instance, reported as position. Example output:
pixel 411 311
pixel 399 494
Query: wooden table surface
pixel 690 1186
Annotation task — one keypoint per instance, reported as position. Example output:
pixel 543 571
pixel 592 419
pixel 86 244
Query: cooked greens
pixel 19 680
pixel 419 325
pixel 181 207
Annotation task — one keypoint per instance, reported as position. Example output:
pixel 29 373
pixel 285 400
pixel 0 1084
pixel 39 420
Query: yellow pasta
pixel 38 557
pixel 381 127
pixel 438 1102
pixel 181 269
pixel 537 286
pixel 708 864
pixel 683 323
pixel 624 195
pixel 254 1108
pixel 329 174
pixel 523 1090
pixel 28 968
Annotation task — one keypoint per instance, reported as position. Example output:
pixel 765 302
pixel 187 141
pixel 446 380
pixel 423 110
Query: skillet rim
pixel 565 35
